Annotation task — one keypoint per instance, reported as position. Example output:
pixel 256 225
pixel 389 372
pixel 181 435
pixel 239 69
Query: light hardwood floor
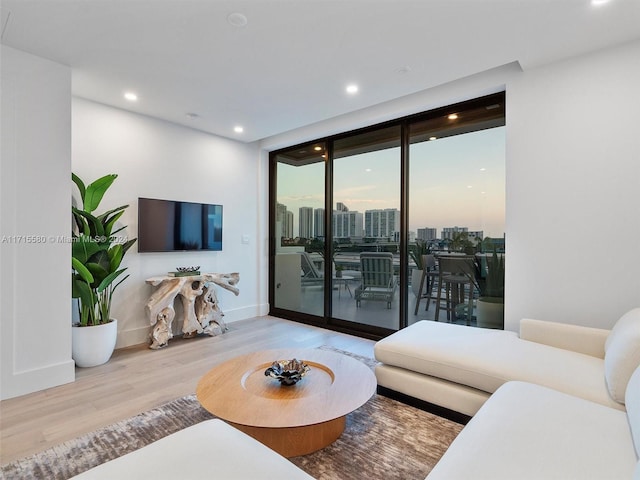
pixel 137 379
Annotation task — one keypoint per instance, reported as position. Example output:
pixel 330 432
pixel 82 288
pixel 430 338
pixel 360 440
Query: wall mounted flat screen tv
pixel 172 226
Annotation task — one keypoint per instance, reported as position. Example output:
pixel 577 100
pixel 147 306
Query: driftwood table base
pixel 201 311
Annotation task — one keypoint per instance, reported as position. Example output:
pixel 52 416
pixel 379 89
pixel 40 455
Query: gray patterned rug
pixel 384 439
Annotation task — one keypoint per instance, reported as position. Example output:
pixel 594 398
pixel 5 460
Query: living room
pixel 572 172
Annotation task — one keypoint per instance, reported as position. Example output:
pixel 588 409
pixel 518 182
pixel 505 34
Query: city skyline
pixel 458 180
pixel 366 226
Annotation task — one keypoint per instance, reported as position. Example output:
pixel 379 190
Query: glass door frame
pixel 327 321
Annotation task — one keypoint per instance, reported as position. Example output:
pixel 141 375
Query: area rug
pixel 384 439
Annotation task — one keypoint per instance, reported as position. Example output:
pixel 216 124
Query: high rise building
pixel 427 234
pixel 381 223
pixel 287 229
pixel 347 224
pixel 318 222
pixel 341 207
pixel 305 222
pixel 284 218
pixel 447 232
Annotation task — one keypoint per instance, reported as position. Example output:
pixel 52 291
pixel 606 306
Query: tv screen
pixel 172 226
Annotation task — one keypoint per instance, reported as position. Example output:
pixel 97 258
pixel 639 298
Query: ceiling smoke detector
pixel 237 20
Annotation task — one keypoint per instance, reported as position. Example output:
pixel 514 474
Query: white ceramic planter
pixel 490 312
pixel 94 345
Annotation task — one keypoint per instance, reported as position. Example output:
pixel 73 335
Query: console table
pixel 201 312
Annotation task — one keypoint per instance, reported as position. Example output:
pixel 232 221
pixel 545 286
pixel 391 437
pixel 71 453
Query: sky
pixel 454 181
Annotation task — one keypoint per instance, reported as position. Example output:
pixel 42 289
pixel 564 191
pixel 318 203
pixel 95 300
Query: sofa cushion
pixel 622 353
pixel 632 400
pixel 526 431
pixel 208 450
pixel 485 359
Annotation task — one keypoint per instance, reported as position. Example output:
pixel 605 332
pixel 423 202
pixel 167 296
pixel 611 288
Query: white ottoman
pixel 209 450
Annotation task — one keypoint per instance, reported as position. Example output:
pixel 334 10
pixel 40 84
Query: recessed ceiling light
pixel 433 138
pixel 238 129
pixel 598 3
pixel 483 169
pixel 317 149
pixel 237 20
pixel 367 169
pixel 351 89
pixel 453 116
pixel 132 97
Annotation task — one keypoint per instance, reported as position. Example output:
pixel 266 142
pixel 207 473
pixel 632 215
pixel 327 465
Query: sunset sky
pixel 454 181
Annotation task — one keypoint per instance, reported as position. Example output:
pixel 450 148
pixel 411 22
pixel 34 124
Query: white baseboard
pixel 34 380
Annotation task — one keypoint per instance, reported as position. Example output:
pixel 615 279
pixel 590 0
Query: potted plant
pixel 490 305
pixel 416 252
pixel 96 256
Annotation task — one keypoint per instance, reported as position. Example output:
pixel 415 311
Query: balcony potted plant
pixel 490 280
pixel 96 256
pixel 416 251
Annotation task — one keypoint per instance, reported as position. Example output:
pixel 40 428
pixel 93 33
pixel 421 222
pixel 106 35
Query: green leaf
pixel 96 229
pixel 80 184
pixel 116 285
pixel 127 245
pixel 102 259
pixel 98 271
pixel 109 279
pixel 87 300
pixel 82 270
pixel 96 190
pixel 108 224
pixel 115 257
pixel 113 210
pixel 83 248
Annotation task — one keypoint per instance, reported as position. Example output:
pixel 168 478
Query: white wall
pixel 35 310
pixel 157 159
pixel 573 180
pixel 573 189
pixel 573 174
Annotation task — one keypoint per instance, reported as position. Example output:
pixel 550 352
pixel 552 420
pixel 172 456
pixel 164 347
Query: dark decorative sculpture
pixel 287 372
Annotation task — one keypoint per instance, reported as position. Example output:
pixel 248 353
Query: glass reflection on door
pixel 456 205
pixel 366 228
pixel 299 229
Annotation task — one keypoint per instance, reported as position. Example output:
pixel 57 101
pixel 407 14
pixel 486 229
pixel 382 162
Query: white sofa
pixel 211 450
pixel 566 402
pixel 528 432
pixel 459 367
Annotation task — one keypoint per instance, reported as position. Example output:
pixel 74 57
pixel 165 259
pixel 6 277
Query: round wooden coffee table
pixel 292 420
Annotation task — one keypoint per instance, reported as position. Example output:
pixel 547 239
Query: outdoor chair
pixel 428 281
pixel 377 281
pixel 309 273
pixel 457 275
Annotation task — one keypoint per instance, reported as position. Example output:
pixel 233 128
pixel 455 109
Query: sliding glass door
pixel 457 208
pixel 366 226
pixel 354 217
pixel 298 226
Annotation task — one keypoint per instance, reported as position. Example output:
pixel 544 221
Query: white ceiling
pixel 289 66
